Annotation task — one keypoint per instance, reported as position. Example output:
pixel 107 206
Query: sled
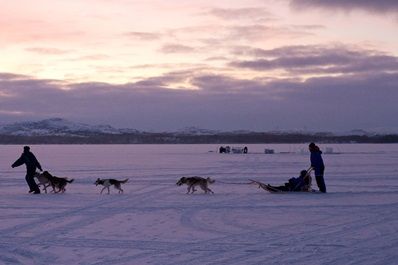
pixel 271 189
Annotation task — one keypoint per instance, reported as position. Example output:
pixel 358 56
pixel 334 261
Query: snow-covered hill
pixel 55 126
pixel 63 127
pixel 196 131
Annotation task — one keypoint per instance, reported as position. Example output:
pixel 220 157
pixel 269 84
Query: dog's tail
pixel 70 181
pixel 124 181
pixel 211 181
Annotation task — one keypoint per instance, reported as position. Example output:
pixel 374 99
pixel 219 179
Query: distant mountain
pixel 62 131
pixel 63 127
pixel 56 127
pixel 196 131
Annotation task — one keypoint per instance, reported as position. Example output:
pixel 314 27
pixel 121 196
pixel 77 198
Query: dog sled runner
pixel 272 189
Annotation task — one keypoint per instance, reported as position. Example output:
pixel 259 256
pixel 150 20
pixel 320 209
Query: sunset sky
pixel 321 65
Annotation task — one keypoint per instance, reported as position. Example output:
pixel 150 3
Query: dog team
pixel 58 184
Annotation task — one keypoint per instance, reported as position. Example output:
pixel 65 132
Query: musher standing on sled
pixel 29 159
pixel 317 165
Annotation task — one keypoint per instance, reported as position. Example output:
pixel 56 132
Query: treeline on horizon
pixel 222 138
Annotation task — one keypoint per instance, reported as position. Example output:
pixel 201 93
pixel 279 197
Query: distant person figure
pixel 31 163
pixel 245 150
pixel 301 183
pixel 318 166
pixel 224 150
pixel 227 149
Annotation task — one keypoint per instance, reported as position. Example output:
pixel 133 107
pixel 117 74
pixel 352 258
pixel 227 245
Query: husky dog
pixel 47 180
pixel 44 179
pixel 109 182
pixel 60 183
pixel 196 181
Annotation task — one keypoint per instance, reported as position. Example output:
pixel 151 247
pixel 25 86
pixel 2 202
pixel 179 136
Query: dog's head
pixel 209 180
pixel 181 181
pixel 98 182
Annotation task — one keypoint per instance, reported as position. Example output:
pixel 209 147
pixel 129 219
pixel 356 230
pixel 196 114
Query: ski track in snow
pixel 155 222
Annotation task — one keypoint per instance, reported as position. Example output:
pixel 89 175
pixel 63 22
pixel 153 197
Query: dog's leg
pixel 48 186
pixel 44 186
pixel 102 190
pixel 53 186
pixel 108 190
pixel 119 188
pixel 64 188
pixel 191 187
pixel 206 188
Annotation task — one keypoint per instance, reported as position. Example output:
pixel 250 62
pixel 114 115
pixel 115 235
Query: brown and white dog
pixel 47 180
pixel 192 182
pixel 109 182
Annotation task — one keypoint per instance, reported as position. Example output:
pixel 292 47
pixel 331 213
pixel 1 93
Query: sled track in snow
pixel 233 240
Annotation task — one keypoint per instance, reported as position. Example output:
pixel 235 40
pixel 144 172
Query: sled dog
pixel 44 179
pixel 109 182
pixel 60 183
pixel 47 180
pixel 192 182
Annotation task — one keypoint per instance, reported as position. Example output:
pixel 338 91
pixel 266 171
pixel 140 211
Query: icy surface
pixel 155 222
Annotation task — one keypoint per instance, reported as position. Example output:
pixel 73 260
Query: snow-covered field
pixel 155 222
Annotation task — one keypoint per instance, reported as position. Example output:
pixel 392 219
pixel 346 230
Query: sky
pixel 159 65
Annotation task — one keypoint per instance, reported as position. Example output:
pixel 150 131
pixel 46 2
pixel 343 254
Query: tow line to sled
pixel 234 183
pixel 250 182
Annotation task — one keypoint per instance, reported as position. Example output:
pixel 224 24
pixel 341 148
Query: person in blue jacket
pixel 31 163
pixel 318 166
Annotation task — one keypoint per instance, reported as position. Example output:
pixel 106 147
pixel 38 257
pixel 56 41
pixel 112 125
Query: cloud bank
pixel 360 99
pixel 373 6
pixel 316 59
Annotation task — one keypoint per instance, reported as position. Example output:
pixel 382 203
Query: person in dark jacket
pixel 318 166
pixel 31 163
pixel 300 183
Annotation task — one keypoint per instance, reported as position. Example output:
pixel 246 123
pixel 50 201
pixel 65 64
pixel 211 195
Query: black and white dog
pixel 191 182
pixel 109 182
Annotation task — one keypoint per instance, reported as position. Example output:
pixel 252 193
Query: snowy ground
pixel 155 222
